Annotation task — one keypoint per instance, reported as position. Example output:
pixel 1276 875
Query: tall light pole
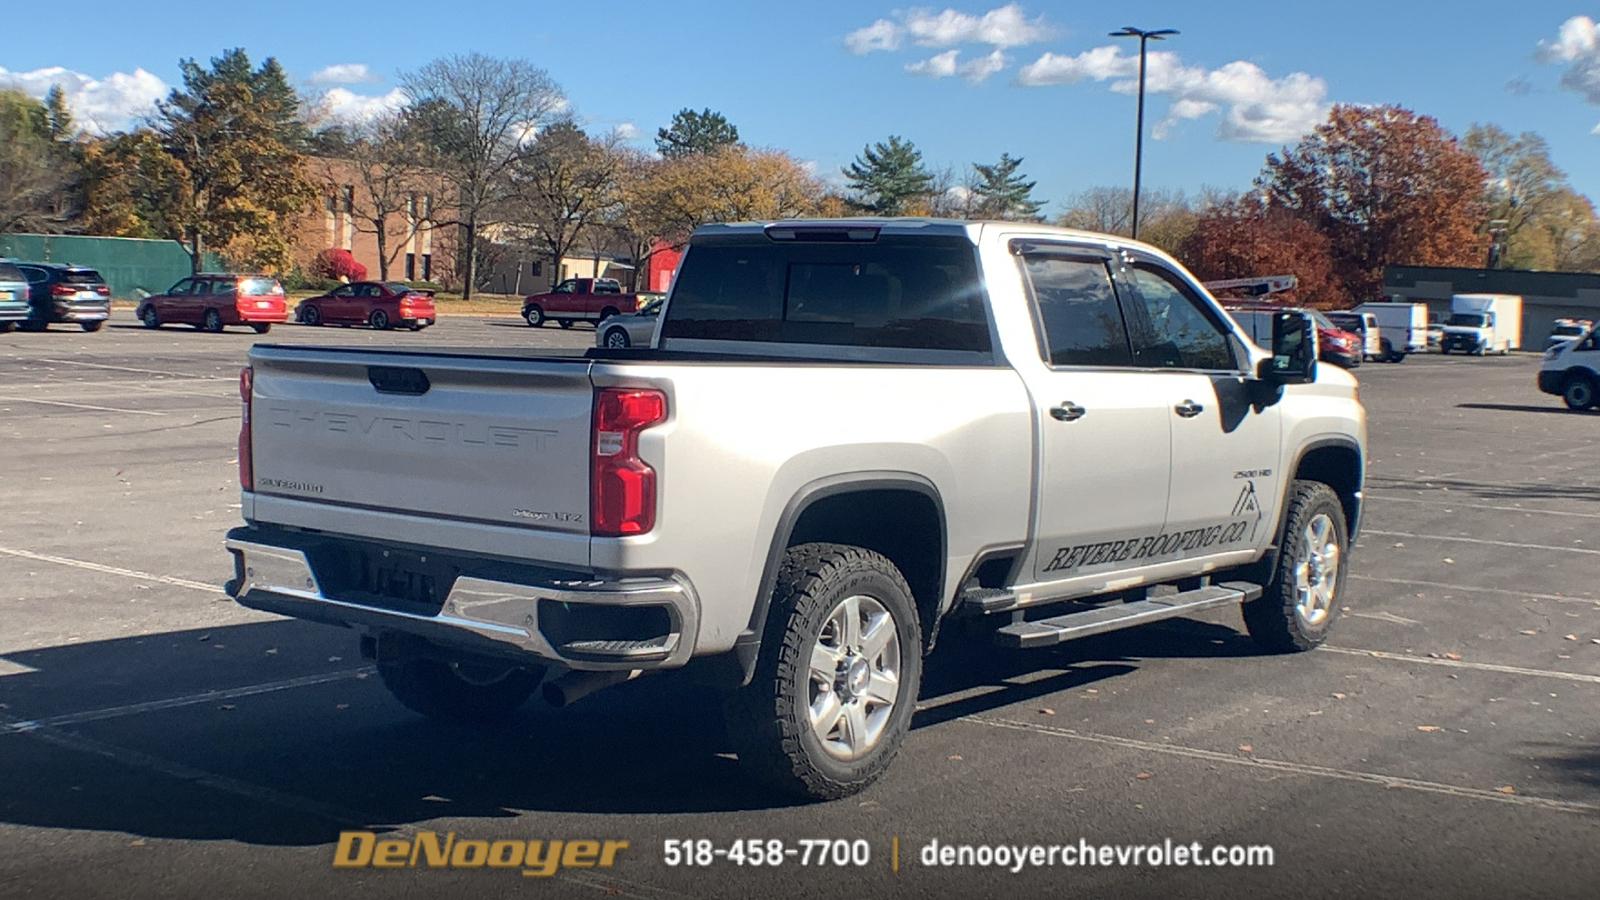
pixel 1138 137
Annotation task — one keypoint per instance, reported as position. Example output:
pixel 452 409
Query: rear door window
pixel 1080 321
pixel 9 272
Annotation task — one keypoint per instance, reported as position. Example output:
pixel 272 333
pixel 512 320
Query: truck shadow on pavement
pixel 275 733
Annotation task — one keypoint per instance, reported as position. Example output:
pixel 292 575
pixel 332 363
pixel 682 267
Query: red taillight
pixel 247 474
pixel 63 290
pixel 622 488
pixel 102 290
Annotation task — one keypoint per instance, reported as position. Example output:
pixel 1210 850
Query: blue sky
pixel 964 82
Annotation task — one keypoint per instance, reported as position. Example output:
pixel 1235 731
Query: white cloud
pixel 1578 45
pixel 942 65
pixel 880 35
pixel 99 105
pixel 627 131
pixel 1004 26
pixel 342 105
pixel 976 70
pixel 1255 107
pixel 345 73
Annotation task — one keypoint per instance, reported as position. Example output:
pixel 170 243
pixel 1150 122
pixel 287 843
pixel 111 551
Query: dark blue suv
pixel 62 293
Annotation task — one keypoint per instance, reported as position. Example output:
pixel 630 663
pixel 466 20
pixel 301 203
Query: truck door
pixel 1225 439
pixel 1102 423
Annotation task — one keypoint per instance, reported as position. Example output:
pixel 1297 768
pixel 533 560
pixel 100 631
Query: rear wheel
pixel 617 337
pixel 5 327
pixel 837 678
pixel 1578 392
pixel 261 327
pixel 92 326
pixel 453 692
pixel 1301 596
pixel 311 315
pixel 534 314
pixel 150 317
pixel 378 319
pixel 564 323
pixel 212 322
pixel 608 312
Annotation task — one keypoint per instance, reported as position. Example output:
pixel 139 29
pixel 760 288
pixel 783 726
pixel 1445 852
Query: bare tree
pixel 477 114
pixel 562 187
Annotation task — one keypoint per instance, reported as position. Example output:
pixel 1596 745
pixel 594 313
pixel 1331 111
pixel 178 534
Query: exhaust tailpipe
pixel 574 686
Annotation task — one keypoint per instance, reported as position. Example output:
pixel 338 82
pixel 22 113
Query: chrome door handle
pixel 1067 412
pixel 1188 409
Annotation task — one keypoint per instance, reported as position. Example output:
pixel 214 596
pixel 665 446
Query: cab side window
pixel 1080 321
pixel 564 287
pixel 1170 327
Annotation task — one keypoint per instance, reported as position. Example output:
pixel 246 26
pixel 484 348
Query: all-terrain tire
pixel 1301 591
pixel 437 690
pixel 862 715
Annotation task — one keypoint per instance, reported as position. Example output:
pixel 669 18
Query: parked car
pixel 13 296
pixel 579 300
pixel 1365 327
pixel 1564 330
pixel 62 293
pixel 211 302
pixel 634 329
pixel 1334 344
pixel 1571 371
pixel 380 304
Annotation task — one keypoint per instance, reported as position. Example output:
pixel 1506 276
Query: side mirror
pixel 1294 350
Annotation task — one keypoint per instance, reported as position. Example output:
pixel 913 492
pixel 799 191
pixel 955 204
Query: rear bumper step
pixel 1049 632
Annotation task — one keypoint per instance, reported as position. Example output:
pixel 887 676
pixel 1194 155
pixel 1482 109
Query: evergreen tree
pixel 695 132
pixel 1002 194
pixel 887 177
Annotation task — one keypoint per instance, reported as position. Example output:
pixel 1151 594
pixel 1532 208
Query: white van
pixel 1402 328
pixel 1364 325
pixel 1571 371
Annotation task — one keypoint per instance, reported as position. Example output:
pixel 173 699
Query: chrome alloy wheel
pixel 855 676
pixel 1317 574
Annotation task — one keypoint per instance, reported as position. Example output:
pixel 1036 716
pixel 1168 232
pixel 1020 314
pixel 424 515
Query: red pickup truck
pixel 578 299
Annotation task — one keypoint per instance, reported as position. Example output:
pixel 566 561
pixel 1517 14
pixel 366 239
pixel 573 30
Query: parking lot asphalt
pixel 158 740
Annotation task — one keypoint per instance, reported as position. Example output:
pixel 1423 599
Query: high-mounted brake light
pixel 247 474
pixel 622 487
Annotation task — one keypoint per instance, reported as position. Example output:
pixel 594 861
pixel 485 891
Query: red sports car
pixel 380 304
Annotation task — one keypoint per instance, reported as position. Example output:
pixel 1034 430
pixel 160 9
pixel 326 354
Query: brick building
pixel 343 219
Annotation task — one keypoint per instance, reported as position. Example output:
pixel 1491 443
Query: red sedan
pixel 380 304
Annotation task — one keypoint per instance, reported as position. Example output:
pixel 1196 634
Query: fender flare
pixel 1341 441
pixel 747 646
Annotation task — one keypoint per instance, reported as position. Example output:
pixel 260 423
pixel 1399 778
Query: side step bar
pixel 1049 632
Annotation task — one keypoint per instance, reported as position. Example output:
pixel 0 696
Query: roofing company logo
pixel 537 859
pixel 1247 504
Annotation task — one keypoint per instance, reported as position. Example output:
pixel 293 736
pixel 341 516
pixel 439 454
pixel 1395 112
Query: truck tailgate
pixel 495 440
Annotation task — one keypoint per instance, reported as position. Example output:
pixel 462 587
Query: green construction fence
pixel 133 267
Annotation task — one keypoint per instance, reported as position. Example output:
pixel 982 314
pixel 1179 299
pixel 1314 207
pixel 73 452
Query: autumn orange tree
pixel 1244 238
pixel 1384 185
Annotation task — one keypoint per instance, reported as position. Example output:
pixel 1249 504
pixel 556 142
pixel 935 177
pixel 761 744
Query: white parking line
pixel 78 362
pixel 112 570
pixel 135 412
pixel 1477 506
pixel 1277 765
pixel 1465 664
pixel 1559 598
pixel 1467 540
pixel 134 709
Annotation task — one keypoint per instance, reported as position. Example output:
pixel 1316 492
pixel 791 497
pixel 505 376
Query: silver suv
pixel 13 296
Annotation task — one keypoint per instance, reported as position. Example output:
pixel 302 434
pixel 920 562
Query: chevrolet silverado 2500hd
pixel 845 434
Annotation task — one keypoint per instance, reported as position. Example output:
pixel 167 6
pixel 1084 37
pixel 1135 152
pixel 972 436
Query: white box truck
pixel 1483 323
pixel 1402 328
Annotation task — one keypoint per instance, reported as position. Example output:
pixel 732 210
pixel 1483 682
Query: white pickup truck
pixel 847 434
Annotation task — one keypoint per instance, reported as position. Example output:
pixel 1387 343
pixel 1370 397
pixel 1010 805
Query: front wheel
pixel 837 678
pixel 1301 598
pixel 534 315
pixel 150 317
pixel 1578 392
pixel 311 315
pixel 617 337
pixel 452 692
